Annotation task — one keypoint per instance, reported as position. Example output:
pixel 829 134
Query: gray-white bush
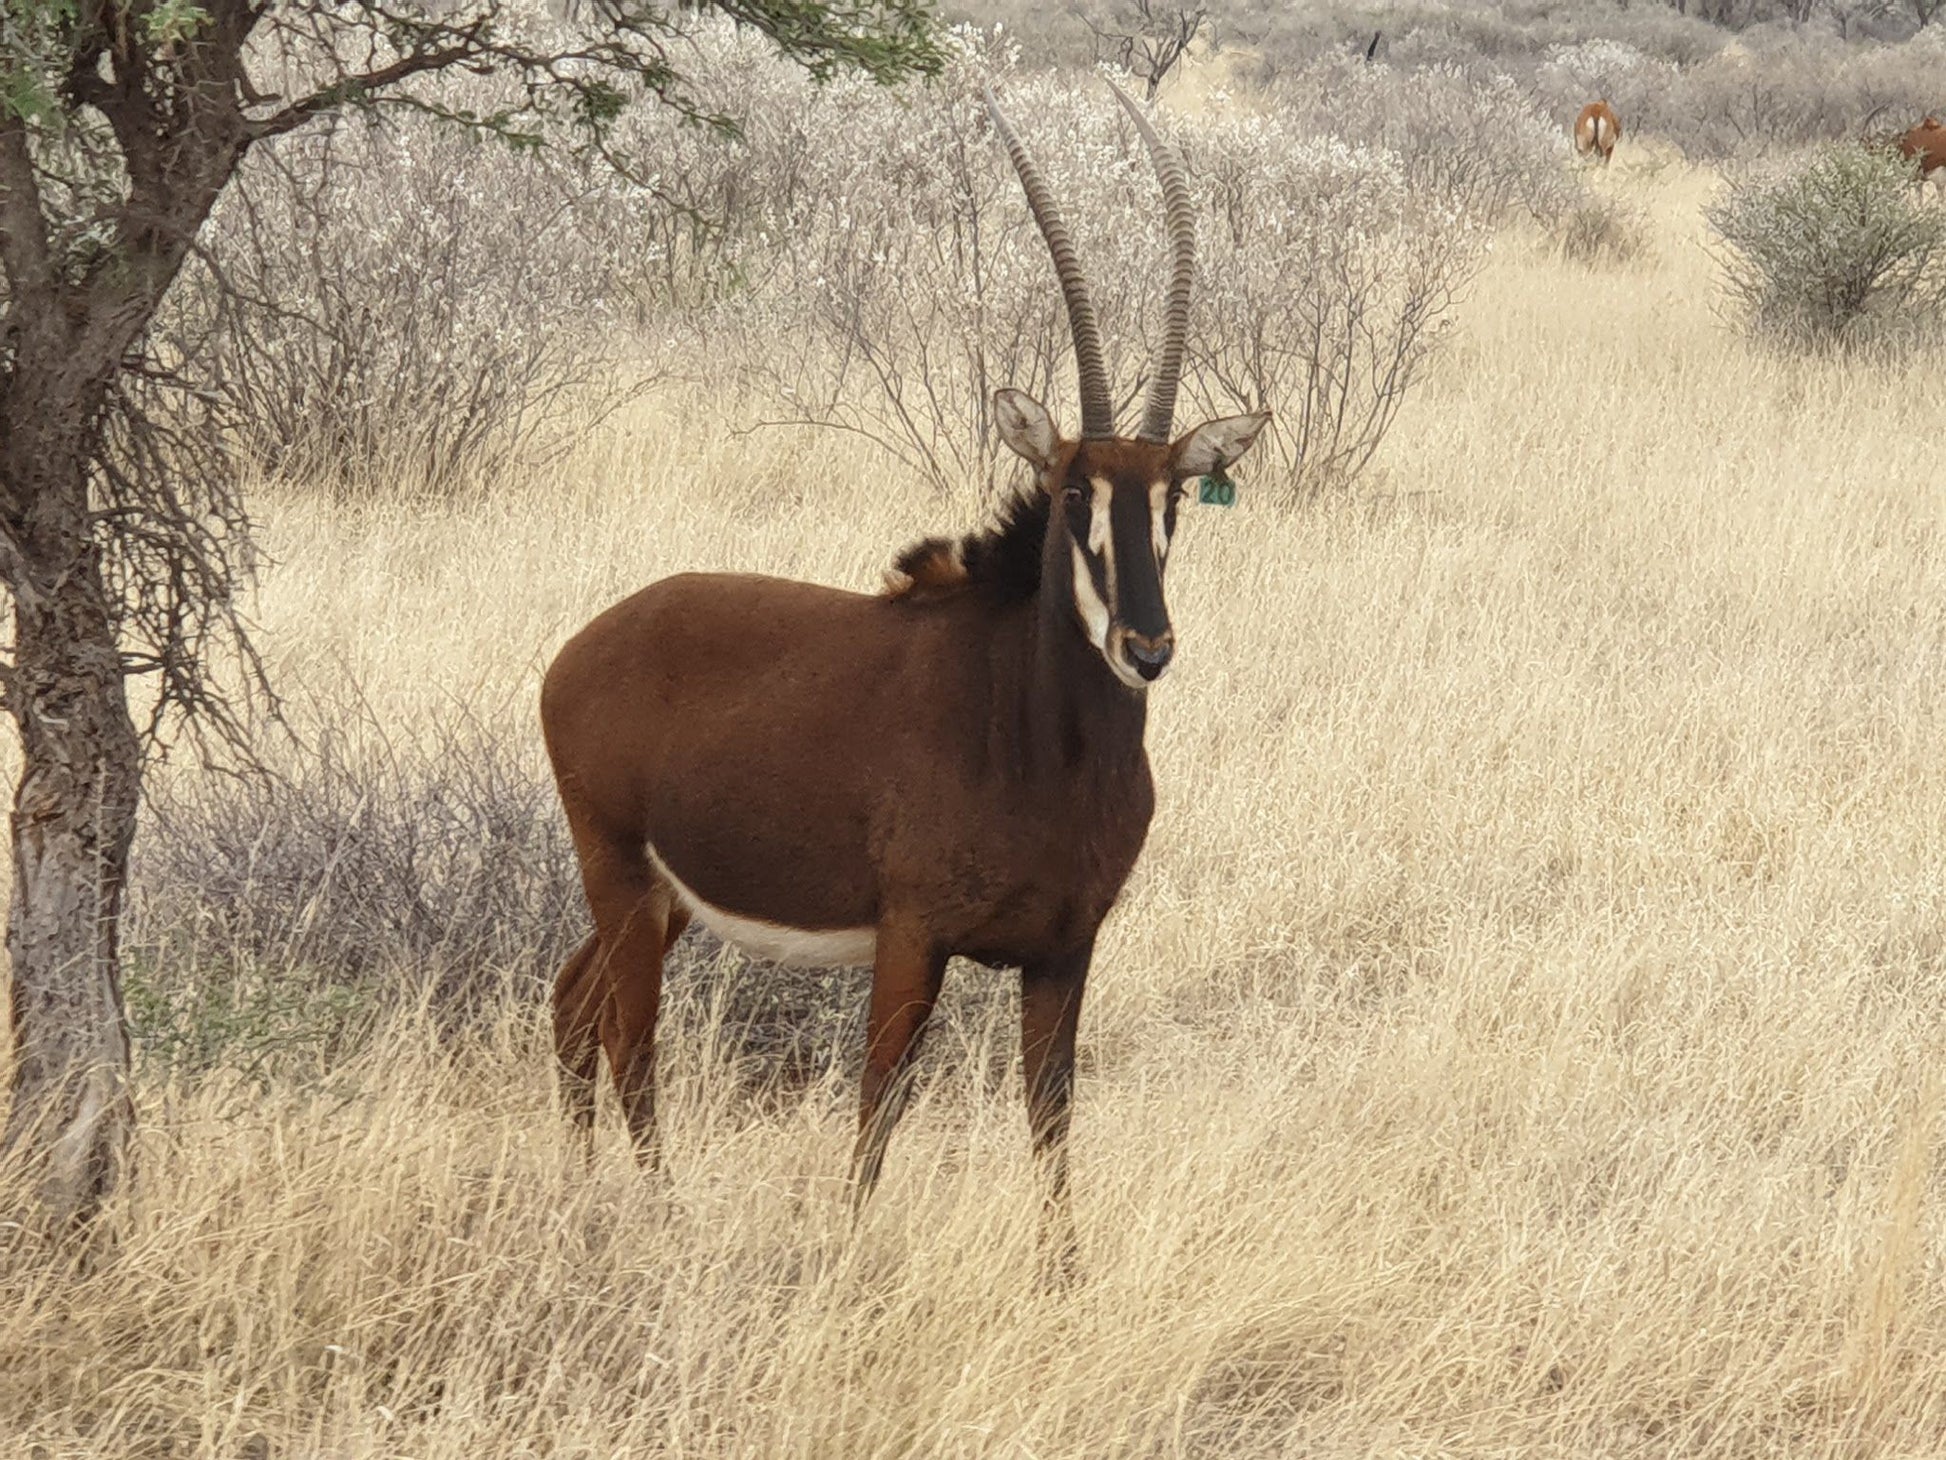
pixel 1766 94
pixel 861 259
pixel 904 280
pixel 1469 134
pixel 403 307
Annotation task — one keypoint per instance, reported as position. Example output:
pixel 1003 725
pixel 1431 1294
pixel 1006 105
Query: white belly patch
pixel 799 947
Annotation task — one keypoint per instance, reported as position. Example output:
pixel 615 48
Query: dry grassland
pixel 1521 1037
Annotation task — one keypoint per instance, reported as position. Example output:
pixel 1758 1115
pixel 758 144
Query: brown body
pixel 1925 144
pixel 1597 130
pixel 956 776
pixel 953 768
pixel 931 772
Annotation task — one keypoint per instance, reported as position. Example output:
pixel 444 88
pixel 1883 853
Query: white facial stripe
pixel 1101 533
pixel 1159 520
pixel 1094 613
pixel 1098 538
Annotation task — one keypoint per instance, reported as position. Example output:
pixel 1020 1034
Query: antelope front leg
pixel 906 975
pixel 1050 1013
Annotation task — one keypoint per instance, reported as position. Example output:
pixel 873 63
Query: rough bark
pixel 73 820
pixel 74 806
pixel 68 328
pixel 82 272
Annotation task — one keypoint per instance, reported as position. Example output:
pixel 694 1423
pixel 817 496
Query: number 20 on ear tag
pixel 1217 490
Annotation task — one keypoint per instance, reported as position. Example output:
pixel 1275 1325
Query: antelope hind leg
pixel 578 995
pixel 633 909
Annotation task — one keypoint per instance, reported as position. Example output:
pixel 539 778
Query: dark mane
pixel 1004 559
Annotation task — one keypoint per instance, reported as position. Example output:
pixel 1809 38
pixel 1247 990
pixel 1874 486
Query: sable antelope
pixel 1597 130
pixel 955 766
pixel 1925 144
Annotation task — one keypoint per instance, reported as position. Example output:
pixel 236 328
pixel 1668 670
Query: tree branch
pixel 23 229
pixel 360 87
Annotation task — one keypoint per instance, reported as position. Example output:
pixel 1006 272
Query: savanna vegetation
pixel 1519 1036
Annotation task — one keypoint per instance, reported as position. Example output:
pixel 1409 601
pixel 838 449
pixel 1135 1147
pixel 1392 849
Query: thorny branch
pixel 123 121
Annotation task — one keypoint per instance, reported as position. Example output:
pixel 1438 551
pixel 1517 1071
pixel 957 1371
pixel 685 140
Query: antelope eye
pixel 1071 495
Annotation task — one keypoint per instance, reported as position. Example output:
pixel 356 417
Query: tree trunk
pixel 73 820
pixel 68 324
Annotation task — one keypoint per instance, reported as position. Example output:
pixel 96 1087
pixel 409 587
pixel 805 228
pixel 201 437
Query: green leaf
pixel 173 21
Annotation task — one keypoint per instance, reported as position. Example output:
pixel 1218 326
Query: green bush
pixel 192 1014
pixel 1839 248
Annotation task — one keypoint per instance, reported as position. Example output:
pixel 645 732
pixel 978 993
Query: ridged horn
pixel 1180 210
pixel 1097 405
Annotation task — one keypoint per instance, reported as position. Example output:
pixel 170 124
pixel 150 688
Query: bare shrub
pixel 1767 94
pixel 1472 137
pixel 1326 268
pixel 432 864
pixel 1599 228
pixel 402 308
pixel 275 918
pixel 1837 249
pixel 922 284
pixel 1512 38
pixel 1145 38
pixel 858 257
pixel 1326 282
pixel 1573 75
pixel 701 220
pixel 1730 80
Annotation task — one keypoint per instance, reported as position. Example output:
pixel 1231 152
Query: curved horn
pixel 1097 405
pixel 1180 211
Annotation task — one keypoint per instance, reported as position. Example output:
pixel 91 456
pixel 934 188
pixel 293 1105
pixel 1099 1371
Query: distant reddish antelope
pixel 1925 144
pixel 953 767
pixel 1597 130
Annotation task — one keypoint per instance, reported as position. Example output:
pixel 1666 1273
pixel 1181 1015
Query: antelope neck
pixel 1078 715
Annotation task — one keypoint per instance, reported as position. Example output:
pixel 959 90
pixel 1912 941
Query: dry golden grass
pixel 1522 1036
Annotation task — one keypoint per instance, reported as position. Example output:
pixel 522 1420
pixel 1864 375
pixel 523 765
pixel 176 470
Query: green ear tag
pixel 1217 489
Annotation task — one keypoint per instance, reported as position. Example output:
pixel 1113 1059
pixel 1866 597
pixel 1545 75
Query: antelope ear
pixel 1215 444
pixel 1026 426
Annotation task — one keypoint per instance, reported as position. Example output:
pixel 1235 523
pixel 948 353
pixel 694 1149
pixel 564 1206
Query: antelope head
pixel 1113 499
